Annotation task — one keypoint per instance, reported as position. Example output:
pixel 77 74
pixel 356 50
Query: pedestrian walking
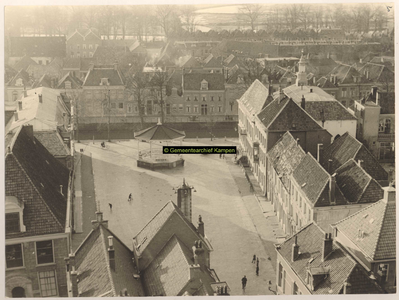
pixel 220 155
pixel 244 282
pixel 254 259
pixel 110 206
pixel 257 270
pixel 130 197
pixel 223 156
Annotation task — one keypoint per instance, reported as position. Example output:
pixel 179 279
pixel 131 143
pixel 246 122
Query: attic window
pixel 18 82
pixel 204 85
pixel 67 84
pixel 14 209
pixel 104 81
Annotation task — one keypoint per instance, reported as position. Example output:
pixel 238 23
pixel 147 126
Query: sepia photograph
pixel 196 149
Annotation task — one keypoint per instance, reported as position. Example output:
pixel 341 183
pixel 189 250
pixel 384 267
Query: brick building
pixel 370 237
pixel 82 44
pixel 312 263
pixel 38 218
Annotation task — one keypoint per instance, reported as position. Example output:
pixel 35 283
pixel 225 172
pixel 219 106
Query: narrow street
pixel 233 217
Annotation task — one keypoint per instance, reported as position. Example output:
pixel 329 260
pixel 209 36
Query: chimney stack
pixel 16 116
pixel 297 141
pixel 74 283
pixel 333 184
pixel 111 253
pixel 201 228
pixel 184 200
pixel 374 91
pixel 115 66
pixel 99 220
pixel 295 250
pixel 347 288
pixel 327 246
pixel 389 194
pixel 199 254
pixel 19 105
pixel 319 152
pixel 40 98
pixel 361 61
pixel 303 102
pixel 359 162
pixel 329 166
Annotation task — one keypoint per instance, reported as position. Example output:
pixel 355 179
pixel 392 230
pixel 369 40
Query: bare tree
pixel 318 16
pixel 159 80
pixel 304 14
pixel 189 17
pixel 163 13
pixel 251 13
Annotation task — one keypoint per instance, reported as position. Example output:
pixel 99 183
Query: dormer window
pixel 19 82
pixel 104 81
pixel 67 84
pixel 14 215
pixel 204 85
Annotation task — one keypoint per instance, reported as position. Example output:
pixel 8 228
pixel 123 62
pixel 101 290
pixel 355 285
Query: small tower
pixel 184 200
pixel 301 78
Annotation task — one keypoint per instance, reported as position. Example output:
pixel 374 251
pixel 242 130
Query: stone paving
pixel 233 216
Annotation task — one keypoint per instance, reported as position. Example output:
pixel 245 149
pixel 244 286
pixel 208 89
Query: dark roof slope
pixel 38 46
pixel 192 81
pixel 53 142
pixel 24 63
pixel 342 267
pixel 328 110
pixel 94 76
pixel 47 175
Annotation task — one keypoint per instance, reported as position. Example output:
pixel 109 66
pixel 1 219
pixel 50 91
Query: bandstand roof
pixel 159 132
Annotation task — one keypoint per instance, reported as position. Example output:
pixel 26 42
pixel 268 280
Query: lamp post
pixel 109 111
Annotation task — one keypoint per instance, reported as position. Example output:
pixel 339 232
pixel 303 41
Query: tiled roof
pixel 192 81
pixel 84 33
pixel 377 73
pixel 328 110
pixel 324 83
pixel 95 276
pixel 169 272
pixel 285 115
pixel 8 114
pixel 191 62
pixel 342 267
pixel 378 222
pixel 47 213
pixel 37 46
pixel 346 147
pixel 285 156
pixel 44 81
pixel 385 100
pixel 356 184
pixel 72 63
pixel 93 78
pixel 213 62
pixel 53 142
pixel 312 178
pixel 345 73
pixel 24 63
pixel 311 93
pixel 255 97
pixel 26 81
pixel 160 133
pixel 68 76
pixel 108 55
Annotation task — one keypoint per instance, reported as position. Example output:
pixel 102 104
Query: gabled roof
pixel 46 174
pixel 285 156
pixel 378 223
pixel 84 33
pixel 345 73
pixel 26 81
pixel 212 62
pixel 254 98
pixel 377 73
pixel 68 76
pixel 95 277
pixel 312 178
pixel 169 272
pixel 159 132
pixel 44 81
pixel 107 55
pixel 311 93
pixel 328 111
pixel 192 81
pixel 356 184
pixel 53 142
pixel 93 77
pixel 191 62
pixel 324 83
pixel 342 267
pixel 24 63
pixel 346 147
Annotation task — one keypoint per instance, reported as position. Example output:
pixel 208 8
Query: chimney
pixel 297 141
pixel 295 250
pixel 74 283
pixel 361 60
pixel 377 98
pixel 389 194
pixel 40 98
pixel 303 102
pixel 347 288
pixel 201 228
pixel 270 88
pixel 311 90
pixel 314 80
pixel 329 168
pixel 184 200
pixel 319 152
pixel 16 116
pixel 327 246
pixel 333 184
pixel 61 190
pixel 328 55
pixel 367 74
pixel 91 66
pixel 99 220
pixel 19 105
pixel 115 66
pixel 111 253
pixel 359 162
pixel 199 254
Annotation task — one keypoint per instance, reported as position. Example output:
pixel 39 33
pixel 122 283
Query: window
pixel 196 108
pixel 295 289
pixel 188 98
pixel 300 201
pixel 48 285
pixel 129 108
pixel 174 107
pixel 383 272
pixel 78 47
pixel 181 107
pixel 203 98
pixel 195 98
pixel 188 108
pixel 84 46
pixel 90 46
pixel 12 223
pixel 280 274
pixel 204 85
pixel 14 257
pixel 136 109
pixel 14 96
pixel 168 109
pixel 220 98
pixel 343 92
pixel 120 105
pixel 67 84
pixel 90 54
pixel 304 208
pixel 84 54
pixel 212 109
pixel 204 109
pixel 219 109
pixel 44 252
pixel 284 281
pixel 113 105
pixel 211 98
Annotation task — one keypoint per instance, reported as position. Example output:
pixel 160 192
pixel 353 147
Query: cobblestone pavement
pixel 233 216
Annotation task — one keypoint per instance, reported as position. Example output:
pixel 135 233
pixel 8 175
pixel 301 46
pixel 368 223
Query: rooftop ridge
pixel 379 230
pixel 104 243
